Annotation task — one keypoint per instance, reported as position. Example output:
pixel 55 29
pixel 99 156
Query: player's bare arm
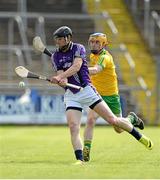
pixel 72 70
pixel 95 69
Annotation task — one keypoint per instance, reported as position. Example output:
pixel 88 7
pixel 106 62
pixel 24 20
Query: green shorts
pixel 114 103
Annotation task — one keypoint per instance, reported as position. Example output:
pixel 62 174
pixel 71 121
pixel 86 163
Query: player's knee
pixel 74 127
pixel 91 122
pixel 117 129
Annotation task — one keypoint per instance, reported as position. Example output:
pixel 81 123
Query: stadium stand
pixel 47 6
pixel 139 51
pixel 146 15
pixel 18 36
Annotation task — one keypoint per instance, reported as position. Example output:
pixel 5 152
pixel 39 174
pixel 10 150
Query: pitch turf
pixel 45 152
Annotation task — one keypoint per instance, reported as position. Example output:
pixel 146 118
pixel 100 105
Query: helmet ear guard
pixel 102 38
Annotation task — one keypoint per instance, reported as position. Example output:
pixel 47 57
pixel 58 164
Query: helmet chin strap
pixel 96 51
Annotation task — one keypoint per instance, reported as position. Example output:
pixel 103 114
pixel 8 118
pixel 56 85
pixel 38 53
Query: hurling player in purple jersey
pixel 69 59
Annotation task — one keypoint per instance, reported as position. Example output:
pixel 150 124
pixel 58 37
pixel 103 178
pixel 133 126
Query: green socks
pixel 87 143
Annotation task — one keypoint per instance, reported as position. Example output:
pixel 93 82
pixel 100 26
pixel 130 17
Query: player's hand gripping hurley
pixel 25 73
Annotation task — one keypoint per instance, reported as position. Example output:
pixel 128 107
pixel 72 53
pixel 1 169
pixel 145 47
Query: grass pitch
pixel 45 152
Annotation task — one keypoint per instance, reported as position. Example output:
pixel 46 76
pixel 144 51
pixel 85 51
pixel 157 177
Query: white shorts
pixel 87 97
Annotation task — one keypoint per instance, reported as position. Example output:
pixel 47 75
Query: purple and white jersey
pixel 64 60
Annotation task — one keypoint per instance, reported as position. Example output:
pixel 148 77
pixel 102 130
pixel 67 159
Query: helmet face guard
pixel 62 42
pixel 97 42
pixel 66 33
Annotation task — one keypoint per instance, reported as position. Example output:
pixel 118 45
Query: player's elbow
pixel 93 71
pixel 76 67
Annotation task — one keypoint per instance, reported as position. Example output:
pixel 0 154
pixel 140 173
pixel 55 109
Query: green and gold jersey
pixel 106 80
